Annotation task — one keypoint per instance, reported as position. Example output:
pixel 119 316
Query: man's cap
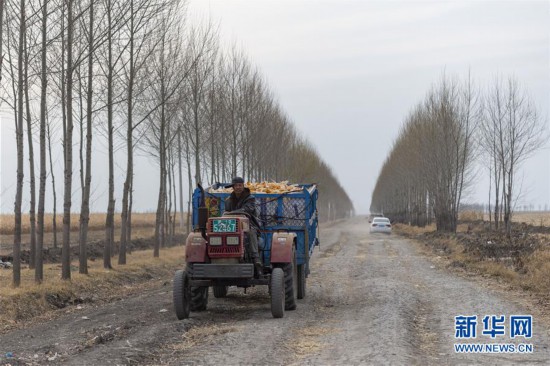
pixel 235 180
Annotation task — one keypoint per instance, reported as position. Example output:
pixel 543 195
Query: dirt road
pixel 371 299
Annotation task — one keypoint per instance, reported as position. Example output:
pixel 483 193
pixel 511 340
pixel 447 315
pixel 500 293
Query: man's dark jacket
pixel 246 202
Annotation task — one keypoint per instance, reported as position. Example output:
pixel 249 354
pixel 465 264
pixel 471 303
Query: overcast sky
pixel 348 72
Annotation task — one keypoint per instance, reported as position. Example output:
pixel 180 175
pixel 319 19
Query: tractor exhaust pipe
pixel 203 213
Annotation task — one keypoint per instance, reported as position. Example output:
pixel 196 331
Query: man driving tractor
pixel 241 200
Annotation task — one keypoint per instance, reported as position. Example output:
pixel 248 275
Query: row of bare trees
pixel 511 132
pixel 431 163
pixel 135 75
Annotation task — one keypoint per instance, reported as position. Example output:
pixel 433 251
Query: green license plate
pixel 224 226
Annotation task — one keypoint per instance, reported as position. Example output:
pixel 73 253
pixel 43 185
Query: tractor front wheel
pixel 182 295
pixel 277 293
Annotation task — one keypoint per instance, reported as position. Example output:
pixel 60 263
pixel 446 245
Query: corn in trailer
pixel 216 257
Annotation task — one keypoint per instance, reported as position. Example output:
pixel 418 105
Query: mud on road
pixel 371 299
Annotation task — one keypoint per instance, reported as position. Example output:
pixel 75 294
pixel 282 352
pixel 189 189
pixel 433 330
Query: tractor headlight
pixel 232 240
pixel 215 240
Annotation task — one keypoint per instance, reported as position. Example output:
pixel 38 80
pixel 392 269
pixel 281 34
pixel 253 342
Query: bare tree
pixel 514 131
pixel 491 143
pixel 68 149
pixel 85 202
pixel 129 139
pixel 112 21
pixel 141 45
pixel 39 273
pixel 32 202
pixel 19 138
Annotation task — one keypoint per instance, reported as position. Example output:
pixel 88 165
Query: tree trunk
pixel 39 273
pixel 182 217
pixel 508 212
pixel 212 136
pixel 160 223
pixel 68 148
pixel 19 138
pixel 490 187
pixel 497 195
pixel 159 213
pixel 129 220
pixel 175 212
pixel 159 242
pixel 54 219
pixel 223 164
pixel 190 182
pixel 85 204
pixel 197 143
pixel 503 208
pixel 62 81
pixel 125 215
pixel 32 202
pixel 81 129
pixel 109 224
pixel 165 218
pixel 129 148
pixel 168 197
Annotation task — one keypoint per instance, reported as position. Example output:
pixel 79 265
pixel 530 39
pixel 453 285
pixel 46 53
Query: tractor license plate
pixel 224 226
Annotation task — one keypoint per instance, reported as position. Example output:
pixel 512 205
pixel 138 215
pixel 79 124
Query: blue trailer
pixel 294 212
pixel 216 258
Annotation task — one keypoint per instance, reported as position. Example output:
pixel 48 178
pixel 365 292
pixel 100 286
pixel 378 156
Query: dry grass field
pixel 523 260
pixel 540 218
pixel 32 300
pixel 535 218
pixel 97 222
pixel 143 226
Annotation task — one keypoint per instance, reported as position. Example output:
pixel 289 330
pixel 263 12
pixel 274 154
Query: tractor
pixel 216 254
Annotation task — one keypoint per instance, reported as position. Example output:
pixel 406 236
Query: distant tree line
pixel 431 163
pixel 136 75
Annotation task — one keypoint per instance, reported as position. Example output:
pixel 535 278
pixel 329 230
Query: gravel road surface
pixel 371 299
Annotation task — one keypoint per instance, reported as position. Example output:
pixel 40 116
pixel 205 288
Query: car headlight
pixel 232 240
pixel 215 240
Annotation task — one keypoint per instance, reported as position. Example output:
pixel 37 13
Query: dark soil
pixel 484 243
pixel 94 250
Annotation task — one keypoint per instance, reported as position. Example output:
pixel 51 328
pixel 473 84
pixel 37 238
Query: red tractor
pixel 216 257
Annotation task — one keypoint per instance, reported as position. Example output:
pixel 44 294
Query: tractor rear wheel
pixel 199 298
pixel 182 294
pixel 277 293
pixel 290 285
pixel 220 291
pixel 301 291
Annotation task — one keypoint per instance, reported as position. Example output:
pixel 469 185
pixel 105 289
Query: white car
pixel 380 225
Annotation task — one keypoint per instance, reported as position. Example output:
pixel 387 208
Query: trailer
pixel 216 255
